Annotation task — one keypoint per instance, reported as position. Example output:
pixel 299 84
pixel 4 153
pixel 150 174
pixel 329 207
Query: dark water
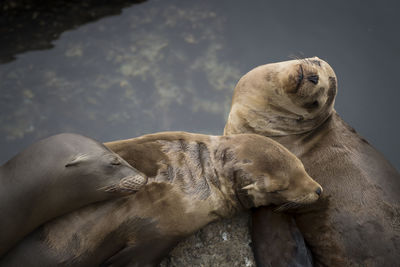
pixel 119 69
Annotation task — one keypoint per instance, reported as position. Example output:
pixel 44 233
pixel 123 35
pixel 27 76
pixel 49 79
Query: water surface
pixel 114 71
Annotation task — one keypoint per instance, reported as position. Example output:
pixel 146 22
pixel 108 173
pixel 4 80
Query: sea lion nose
pixel 319 191
pixel 313 78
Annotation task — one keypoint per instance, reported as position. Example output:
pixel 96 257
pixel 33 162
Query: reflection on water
pixel 121 70
pixel 33 25
pixel 155 67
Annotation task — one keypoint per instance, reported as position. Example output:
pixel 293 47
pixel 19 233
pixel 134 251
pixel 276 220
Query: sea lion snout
pixel 303 193
pixel 132 183
pixel 131 180
pixel 304 190
pixel 113 174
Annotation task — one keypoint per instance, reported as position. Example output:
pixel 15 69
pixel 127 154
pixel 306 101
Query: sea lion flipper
pixel 120 258
pixel 289 247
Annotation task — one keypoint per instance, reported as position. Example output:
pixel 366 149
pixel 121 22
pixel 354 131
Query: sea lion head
pixel 95 166
pixel 283 98
pixel 268 173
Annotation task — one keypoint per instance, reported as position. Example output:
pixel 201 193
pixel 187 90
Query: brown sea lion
pixel 193 180
pixel 57 175
pixel 357 222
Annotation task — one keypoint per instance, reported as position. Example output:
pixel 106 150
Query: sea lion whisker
pixel 289 205
pixel 284 206
pixel 279 208
pixel 297 57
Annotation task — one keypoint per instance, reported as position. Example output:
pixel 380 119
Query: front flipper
pixel 121 258
pixel 277 241
pixel 146 253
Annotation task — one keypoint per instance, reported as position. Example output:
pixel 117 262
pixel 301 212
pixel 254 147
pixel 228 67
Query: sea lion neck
pixel 301 144
pixel 246 119
pixel 229 171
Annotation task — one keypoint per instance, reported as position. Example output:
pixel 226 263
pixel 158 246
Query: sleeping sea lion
pixel 357 222
pixel 57 175
pixel 194 179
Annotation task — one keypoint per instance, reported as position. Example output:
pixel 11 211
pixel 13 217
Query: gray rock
pixel 223 243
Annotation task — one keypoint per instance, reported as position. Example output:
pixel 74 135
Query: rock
pixel 222 243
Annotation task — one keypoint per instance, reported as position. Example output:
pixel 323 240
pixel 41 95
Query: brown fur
pixel 193 180
pixel 357 224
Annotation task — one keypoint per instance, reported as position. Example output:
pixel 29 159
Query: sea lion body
pixel 57 175
pixel 193 180
pixel 356 222
pixel 360 223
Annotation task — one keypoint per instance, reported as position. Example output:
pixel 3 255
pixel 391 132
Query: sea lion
pixel 358 220
pixel 57 175
pixel 194 179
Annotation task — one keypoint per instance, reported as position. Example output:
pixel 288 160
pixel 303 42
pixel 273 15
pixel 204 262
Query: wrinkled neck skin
pixel 293 132
pixel 299 144
pixel 230 172
pixel 197 167
pixel 271 125
pixel 194 169
pixel 303 143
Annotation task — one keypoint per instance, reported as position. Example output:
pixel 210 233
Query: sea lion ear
pixel 251 186
pixel 76 160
